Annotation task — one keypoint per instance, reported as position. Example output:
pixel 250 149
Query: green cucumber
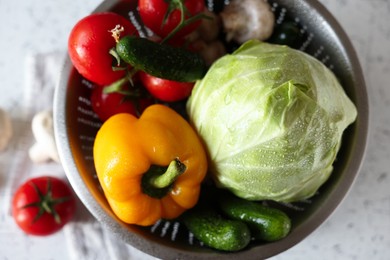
pixel 161 60
pixel 215 231
pixel 265 223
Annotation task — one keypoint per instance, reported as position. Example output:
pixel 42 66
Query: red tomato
pixel 153 12
pixel 166 90
pixel 89 43
pixel 43 205
pixel 107 105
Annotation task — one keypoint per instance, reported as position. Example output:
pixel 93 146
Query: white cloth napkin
pixel 85 237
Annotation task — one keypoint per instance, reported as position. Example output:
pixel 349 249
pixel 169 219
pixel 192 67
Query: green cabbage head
pixel 272 120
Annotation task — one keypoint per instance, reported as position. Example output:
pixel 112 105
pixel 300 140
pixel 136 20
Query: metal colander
pixel 76 126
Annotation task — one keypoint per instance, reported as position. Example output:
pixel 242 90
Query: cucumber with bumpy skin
pixel 265 223
pixel 215 231
pixel 161 60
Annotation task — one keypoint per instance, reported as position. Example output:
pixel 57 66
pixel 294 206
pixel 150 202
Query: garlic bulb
pixel 45 147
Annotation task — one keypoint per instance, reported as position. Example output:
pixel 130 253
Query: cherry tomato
pixel 153 14
pixel 89 44
pixel 166 90
pixel 43 205
pixel 106 105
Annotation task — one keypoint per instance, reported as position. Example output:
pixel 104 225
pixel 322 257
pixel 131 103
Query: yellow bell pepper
pixel 151 167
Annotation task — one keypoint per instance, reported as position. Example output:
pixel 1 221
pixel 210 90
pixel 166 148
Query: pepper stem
pixel 174 170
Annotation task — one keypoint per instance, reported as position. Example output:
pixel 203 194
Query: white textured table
pixel 360 227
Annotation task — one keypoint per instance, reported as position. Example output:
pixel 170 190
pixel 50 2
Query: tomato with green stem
pixel 163 17
pixel 89 45
pixel 127 99
pixel 43 205
pixel 166 90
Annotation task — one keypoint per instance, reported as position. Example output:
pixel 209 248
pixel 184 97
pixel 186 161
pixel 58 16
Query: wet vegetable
pixel 216 231
pixel 265 223
pixel 161 60
pixel 272 119
pixel 151 167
